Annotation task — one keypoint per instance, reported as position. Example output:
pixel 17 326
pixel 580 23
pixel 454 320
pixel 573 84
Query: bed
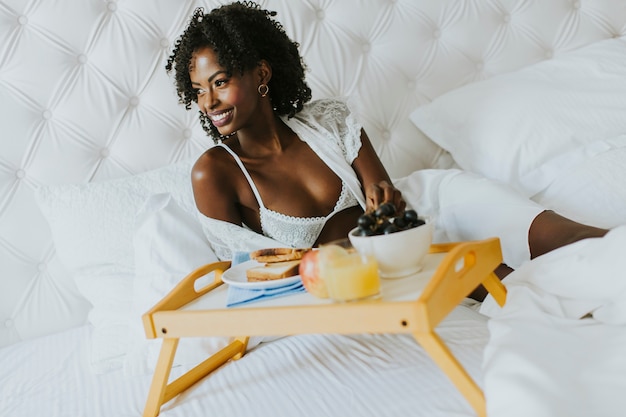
pixel 97 224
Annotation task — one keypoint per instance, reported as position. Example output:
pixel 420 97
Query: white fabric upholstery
pixel 84 97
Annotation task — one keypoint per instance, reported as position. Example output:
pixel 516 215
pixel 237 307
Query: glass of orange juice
pixel 348 274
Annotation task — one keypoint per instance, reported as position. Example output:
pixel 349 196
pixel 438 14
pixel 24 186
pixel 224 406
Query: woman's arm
pixel 375 181
pixel 211 179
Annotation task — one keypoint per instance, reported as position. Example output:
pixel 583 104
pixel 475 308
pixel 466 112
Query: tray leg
pixel 234 350
pixel 495 287
pixel 442 356
pixel 158 387
pixel 162 392
pixel 244 341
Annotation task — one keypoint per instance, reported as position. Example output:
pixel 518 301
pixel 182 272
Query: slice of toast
pixel 271 255
pixel 272 271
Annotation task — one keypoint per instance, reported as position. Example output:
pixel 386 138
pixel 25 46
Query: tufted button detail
pixel 112 6
pixel 20 173
pixel 46 115
pixel 134 101
pixel 437 33
pixel 576 5
pixel 386 135
pixel 320 14
pixel 187 133
pixel 22 20
pixel 549 54
pixel 165 42
pixel 506 18
pixel 8 323
pixel 41 266
pixel 410 85
pixel 105 152
pixel 480 66
pixel 366 47
pixel 82 59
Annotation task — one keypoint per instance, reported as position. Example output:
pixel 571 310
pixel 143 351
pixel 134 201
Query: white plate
pixel 236 276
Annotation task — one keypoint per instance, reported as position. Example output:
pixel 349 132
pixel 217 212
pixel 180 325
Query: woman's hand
pixel 377 185
pixel 383 192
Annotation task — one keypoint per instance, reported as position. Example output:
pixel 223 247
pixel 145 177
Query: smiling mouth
pixel 217 118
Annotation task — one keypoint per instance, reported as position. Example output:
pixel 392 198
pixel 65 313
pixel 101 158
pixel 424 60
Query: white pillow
pixel 92 227
pixel 525 127
pixel 169 244
pixel 592 192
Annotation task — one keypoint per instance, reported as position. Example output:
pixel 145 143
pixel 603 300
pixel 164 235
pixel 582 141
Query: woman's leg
pixel 470 207
pixel 549 231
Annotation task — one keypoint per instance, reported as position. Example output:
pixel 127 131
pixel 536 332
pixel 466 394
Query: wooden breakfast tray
pixel 416 306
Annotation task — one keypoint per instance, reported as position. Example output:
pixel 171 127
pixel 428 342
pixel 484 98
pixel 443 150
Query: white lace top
pixel 297 232
pixel 333 133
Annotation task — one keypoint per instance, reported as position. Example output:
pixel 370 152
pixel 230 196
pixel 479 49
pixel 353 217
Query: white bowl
pixel 398 254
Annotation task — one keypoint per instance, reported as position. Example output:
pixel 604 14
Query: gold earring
pixel 263 90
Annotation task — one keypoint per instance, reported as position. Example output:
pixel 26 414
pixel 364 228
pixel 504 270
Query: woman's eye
pixel 219 83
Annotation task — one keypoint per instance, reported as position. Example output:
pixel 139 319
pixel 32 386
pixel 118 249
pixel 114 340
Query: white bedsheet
pixel 543 357
pixel 309 375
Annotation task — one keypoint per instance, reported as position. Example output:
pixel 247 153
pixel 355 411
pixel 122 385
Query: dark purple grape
pixel 385 210
pixel 385 220
pixel 400 222
pixel 391 228
pixel 366 221
pixel 410 216
pixel 364 232
pixel 380 228
pixel 419 222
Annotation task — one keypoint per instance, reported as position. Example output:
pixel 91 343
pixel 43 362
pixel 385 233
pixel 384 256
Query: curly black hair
pixel 242 34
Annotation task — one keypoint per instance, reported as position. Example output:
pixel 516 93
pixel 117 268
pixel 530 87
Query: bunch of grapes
pixel 384 220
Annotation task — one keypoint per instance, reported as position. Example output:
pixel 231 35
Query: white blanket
pixel 558 346
pixel 306 375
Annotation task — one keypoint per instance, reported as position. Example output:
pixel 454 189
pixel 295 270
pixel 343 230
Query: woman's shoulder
pixel 213 163
pixel 209 157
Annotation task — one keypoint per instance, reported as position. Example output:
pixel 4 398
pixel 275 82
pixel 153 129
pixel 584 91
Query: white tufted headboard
pixel 84 97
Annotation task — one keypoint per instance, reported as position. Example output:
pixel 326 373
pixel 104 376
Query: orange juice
pixel 349 275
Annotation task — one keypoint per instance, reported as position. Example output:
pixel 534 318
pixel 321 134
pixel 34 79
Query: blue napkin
pixel 238 296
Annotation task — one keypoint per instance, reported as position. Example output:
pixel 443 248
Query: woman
pixel 288 171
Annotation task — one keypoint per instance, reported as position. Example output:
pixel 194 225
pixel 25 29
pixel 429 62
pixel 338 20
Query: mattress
pixel 306 375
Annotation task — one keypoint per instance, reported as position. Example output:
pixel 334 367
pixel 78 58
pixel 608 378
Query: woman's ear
pixel 264 71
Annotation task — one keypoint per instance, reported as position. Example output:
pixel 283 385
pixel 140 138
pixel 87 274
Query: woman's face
pixel 229 102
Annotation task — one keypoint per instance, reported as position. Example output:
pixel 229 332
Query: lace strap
pixel 245 173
